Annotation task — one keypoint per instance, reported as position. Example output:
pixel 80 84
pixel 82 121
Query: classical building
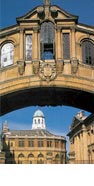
pixel 34 146
pixel 2 154
pixel 47 56
pixel 81 138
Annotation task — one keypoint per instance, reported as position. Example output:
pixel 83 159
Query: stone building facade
pixel 46 42
pixel 36 146
pixel 46 33
pixel 81 138
pixel 2 154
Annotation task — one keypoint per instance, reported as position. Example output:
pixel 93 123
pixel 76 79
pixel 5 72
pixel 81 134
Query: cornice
pixel 9 27
pixel 8 32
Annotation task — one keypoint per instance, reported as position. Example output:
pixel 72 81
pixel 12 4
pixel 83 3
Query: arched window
pixel 57 156
pixel 88 52
pixel 40 155
pixel 7 54
pixel 38 121
pixel 21 155
pixel 47 39
pixel 40 159
pixel 30 156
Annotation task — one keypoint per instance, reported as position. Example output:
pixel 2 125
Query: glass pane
pixel 28 47
pixel 47 33
pixel 7 54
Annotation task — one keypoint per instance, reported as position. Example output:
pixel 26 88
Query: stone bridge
pixel 47 84
pixel 47 58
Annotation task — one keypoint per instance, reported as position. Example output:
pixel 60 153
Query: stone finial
pixel 46 2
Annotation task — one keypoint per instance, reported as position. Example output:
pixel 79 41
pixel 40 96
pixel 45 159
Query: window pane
pixel 28 47
pixel 40 143
pixel 49 143
pixel 66 46
pixel 47 38
pixel 88 52
pixel 21 143
pixel 31 143
pixel 7 54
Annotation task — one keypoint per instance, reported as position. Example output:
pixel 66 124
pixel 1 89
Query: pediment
pixel 28 16
pixel 40 13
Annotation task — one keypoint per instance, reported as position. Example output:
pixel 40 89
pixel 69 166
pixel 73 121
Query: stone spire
pixel 46 2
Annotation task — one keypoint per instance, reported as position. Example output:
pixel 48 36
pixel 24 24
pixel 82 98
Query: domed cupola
pixel 38 120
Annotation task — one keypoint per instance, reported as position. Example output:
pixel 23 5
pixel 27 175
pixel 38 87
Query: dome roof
pixel 38 113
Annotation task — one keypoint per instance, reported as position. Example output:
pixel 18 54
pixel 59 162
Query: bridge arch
pixel 62 80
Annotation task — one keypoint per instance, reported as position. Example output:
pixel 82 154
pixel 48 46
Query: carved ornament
pixel 47 71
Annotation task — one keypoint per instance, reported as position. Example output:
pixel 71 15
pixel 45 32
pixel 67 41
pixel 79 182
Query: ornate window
pixel 40 159
pixel 21 155
pixel 29 47
pixel 66 46
pixel 7 54
pixel 88 52
pixel 57 156
pixel 40 155
pixel 30 156
pixel 20 158
pixel 47 39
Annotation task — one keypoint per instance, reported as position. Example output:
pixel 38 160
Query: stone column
pixel 78 148
pixel 20 62
pixel 75 147
pixel 35 45
pixel 73 42
pixel 81 147
pixel 58 44
pixel 85 149
pixel 21 44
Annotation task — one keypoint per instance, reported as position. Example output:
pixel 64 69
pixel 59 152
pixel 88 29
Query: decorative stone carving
pixel 59 66
pixel 21 67
pixel 54 12
pixel 41 13
pixel 47 71
pixel 74 65
pixel 47 2
pixel 36 67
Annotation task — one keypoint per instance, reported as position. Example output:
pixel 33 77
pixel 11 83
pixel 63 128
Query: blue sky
pixel 10 9
pixel 58 119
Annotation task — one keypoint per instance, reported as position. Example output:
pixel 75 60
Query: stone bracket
pixel 21 67
pixel 74 65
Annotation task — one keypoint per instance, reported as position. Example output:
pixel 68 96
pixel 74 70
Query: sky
pixel 58 119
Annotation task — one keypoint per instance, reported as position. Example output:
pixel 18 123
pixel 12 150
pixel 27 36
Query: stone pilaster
pixel 73 47
pixel 85 150
pixel 81 146
pixel 21 44
pixel 36 44
pixel 59 47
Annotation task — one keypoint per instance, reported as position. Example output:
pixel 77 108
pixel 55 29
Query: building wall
pixel 82 143
pixel 53 154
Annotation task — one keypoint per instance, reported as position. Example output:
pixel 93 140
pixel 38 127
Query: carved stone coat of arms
pixel 47 71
